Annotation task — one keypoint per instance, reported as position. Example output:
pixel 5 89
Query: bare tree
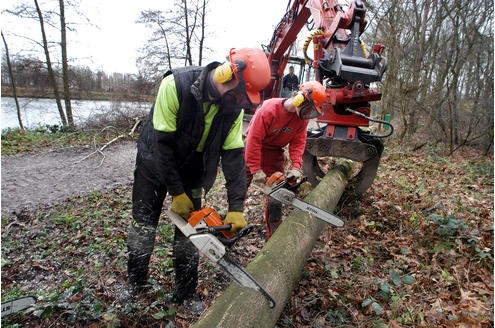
pixel 437 85
pixel 12 82
pixel 188 32
pixel 194 18
pixel 202 35
pixel 46 23
pixel 177 37
pixel 51 72
pixel 158 50
pixel 65 65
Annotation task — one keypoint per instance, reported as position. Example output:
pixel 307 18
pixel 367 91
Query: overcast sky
pixel 113 46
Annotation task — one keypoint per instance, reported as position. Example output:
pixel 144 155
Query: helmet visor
pixel 237 98
pixel 240 96
pixel 308 111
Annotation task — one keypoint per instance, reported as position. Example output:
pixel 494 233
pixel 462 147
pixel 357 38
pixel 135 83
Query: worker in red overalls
pixel 277 123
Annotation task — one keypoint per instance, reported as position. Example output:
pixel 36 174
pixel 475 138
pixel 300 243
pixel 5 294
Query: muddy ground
pixel 32 180
pixel 50 177
pixel 410 253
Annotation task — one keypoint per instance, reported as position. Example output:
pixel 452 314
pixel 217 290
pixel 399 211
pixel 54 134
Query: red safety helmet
pixel 314 96
pixel 251 65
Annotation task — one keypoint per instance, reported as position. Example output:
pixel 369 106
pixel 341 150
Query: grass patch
pixel 15 140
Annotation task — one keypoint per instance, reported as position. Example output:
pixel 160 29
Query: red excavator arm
pixel 282 40
pixel 340 61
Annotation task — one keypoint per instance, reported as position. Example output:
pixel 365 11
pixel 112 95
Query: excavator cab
pixel 300 70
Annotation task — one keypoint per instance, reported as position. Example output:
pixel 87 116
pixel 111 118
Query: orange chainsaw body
pixel 211 218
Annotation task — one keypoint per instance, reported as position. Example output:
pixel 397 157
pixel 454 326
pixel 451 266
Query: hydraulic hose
pixel 376 121
pixel 308 60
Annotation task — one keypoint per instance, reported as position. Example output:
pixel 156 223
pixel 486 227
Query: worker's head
pixel 291 69
pixel 243 78
pixel 309 99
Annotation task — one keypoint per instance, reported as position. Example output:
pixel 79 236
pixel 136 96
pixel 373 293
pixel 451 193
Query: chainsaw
pixel 282 189
pixel 14 306
pixel 206 230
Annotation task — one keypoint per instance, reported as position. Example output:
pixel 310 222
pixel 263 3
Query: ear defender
pixel 223 73
pixel 298 99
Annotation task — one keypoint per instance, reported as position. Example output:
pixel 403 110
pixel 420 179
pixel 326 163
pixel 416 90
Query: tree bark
pixel 279 264
pixel 202 38
pixel 65 66
pixel 12 83
pixel 51 72
pixel 188 35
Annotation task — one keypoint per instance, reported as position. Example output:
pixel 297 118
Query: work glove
pixel 236 219
pixel 294 174
pixel 259 178
pixel 182 205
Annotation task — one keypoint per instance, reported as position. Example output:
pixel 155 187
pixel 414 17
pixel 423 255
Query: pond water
pixel 39 112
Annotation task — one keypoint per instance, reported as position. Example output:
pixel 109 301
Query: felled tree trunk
pixel 279 264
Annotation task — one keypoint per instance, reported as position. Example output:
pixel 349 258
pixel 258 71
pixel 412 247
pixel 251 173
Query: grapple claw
pixel 365 149
pixel 311 168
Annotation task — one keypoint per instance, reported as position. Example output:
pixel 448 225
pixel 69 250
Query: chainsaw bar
pixel 243 278
pixel 214 249
pixel 289 198
pixel 17 305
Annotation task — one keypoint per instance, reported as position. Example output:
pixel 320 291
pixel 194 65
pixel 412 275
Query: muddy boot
pixel 137 277
pixel 128 291
pixel 194 304
pixel 137 268
pixel 273 216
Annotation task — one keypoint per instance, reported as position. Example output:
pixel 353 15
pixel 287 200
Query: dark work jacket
pixel 290 82
pixel 172 156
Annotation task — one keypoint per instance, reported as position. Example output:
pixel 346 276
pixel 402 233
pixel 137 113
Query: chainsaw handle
pixel 231 241
pixel 220 228
pixel 293 184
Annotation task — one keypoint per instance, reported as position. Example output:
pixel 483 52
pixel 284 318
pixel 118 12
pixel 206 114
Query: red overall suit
pixel 270 130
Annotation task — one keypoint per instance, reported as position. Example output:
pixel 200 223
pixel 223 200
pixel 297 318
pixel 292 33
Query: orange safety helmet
pixel 253 63
pixel 314 95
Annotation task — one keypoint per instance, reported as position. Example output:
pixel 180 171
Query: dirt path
pixel 50 177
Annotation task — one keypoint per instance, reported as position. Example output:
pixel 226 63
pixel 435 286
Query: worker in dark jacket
pixel 195 123
pixel 290 83
pixel 278 123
